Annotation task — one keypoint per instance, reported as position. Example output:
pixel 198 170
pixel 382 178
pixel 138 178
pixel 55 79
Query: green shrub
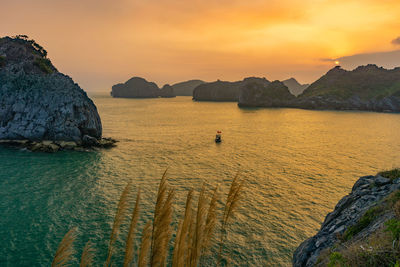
pixel 393 226
pixel 336 259
pixel 44 64
pixel 391 174
pixel 364 221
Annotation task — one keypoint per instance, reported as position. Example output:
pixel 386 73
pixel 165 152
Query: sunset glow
pixel 101 43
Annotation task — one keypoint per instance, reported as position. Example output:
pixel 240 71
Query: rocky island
pixel 363 229
pixel 41 108
pixel 223 90
pixel 186 88
pixel 368 88
pixel 138 87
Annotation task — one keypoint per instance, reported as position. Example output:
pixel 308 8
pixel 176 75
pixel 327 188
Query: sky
pixel 103 42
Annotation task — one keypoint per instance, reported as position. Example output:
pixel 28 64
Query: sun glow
pixel 337 62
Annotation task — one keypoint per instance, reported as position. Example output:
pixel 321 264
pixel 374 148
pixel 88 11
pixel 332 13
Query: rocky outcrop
pixel 137 87
pixel 344 222
pixel 274 94
pixel 39 103
pixel 167 91
pixel 186 88
pixel 295 87
pixel 222 90
pixel 365 88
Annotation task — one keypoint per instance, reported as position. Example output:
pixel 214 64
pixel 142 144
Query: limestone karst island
pixel 200 133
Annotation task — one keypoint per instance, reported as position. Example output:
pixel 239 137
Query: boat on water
pixel 218 138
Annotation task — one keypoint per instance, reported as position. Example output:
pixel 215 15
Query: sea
pixel 295 164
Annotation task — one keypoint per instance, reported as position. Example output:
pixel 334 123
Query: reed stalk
pixel 87 255
pixel 145 245
pixel 129 248
pixel 65 250
pixel 119 216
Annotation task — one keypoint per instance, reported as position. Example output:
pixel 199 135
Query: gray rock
pixel 347 213
pixel 380 181
pixel 39 103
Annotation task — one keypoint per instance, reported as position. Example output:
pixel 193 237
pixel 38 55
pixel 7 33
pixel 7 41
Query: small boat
pixel 218 137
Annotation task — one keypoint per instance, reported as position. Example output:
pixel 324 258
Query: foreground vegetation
pixel 381 247
pixel 192 239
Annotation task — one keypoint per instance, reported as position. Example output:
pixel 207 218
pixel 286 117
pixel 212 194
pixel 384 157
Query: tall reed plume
pixel 119 216
pixel 232 201
pixel 161 231
pixel 65 250
pixel 194 233
pixel 87 255
pixel 131 235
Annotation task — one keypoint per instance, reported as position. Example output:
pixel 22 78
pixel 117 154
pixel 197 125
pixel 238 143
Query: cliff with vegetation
pixel 367 88
pixel 39 103
pixel 186 88
pixel 363 229
pixel 138 87
pixel 222 90
pixel 274 94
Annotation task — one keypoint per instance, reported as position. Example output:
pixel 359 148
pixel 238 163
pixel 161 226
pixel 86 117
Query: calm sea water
pixel 297 164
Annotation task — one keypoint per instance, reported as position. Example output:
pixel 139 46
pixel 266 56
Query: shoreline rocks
pixel 49 146
pixel 366 194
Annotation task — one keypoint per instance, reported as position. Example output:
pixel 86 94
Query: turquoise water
pixel 296 163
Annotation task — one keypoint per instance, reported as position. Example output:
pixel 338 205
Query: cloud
pixel 389 59
pixel 396 41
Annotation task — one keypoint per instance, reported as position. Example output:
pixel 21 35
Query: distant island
pixel 138 87
pixel 186 88
pixel 230 91
pixel 41 108
pixel 369 88
pixel 224 90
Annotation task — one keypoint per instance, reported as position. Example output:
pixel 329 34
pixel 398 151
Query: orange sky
pixel 103 42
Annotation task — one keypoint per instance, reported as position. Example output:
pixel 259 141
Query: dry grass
pixel 131 235
pixel 193 237
pixel 145 245
pixel 87 255
pixel 181 247
pixel 65 250
pixel 232 201
pixel 119 216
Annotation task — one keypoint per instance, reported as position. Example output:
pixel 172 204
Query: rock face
pixel 186 88
pixel 223 91
pixel 366 193
pixel 274 94
pixel 36 101
pixel 137 87
pixel 167 91
pixel 295 87
pixel 365 88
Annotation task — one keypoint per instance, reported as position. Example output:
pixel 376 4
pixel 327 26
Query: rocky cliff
pixel 135 87
pixel 295 87
pixel 186 88
pixel 357 231
pixel 274 94
pixel 222 90
pixel 138 87
pixel 365 88
pixel 36 101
